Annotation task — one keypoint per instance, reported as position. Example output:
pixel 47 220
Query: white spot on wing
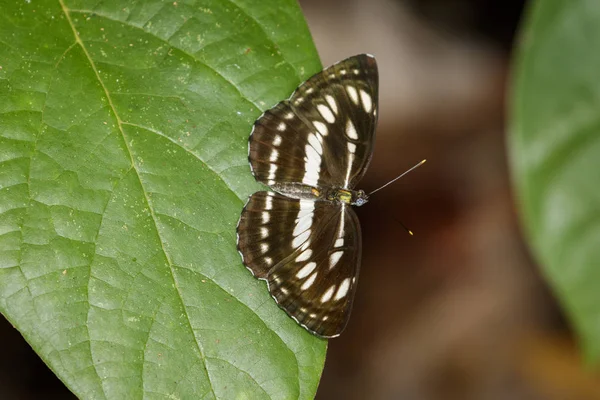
pixel 264 247
pixel 304 221
pixel 349 169
pixel 321 127
pixel 269 203
pixel 343 289
pixel 264 232
pixel 313 158
pixel 303 237
pixel 268 260
pixel 289 115
pixel 339 242
pixel 276 140
pixel 305 245
pixel 265 217
pixel 312 139
pixel 272 170
pixel 332 103
pixel 305 255
pixel 326 113
pixel 342 222
pixel 366 100
pixel 335 258
pixel 328 294
pixel 281 127
pixel 312 166
pixel 306 270
pixel 352 93
pixel 351 148
pixel 275 155
pixel 351 130
pixel 311 178
pixel 309 282
pixel 306 208
pixel 302 225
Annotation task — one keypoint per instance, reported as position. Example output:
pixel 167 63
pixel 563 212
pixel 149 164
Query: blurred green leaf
pixel 123 171
pixel 555 146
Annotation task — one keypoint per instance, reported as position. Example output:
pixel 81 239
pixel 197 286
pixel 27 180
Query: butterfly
pixel 303 237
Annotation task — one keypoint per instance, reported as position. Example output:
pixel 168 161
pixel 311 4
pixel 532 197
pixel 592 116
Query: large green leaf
pixel 123 171
pixel 555 146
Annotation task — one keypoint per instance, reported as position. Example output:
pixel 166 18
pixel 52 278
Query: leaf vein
pixel 243 10
pixel 159 133
pixel 150 208
pixel 232 84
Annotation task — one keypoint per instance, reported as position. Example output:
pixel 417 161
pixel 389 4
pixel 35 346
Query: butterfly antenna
pixel 396 178
pixel 405 228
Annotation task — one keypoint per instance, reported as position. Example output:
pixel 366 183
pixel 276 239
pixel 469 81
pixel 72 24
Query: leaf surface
pixel 555 146
pixel 123 171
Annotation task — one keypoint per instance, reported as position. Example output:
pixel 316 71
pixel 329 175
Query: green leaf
pixel 123 171
pixel 555 146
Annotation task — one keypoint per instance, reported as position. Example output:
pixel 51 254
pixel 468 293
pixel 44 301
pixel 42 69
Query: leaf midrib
pixel 120 124
pixel 150 208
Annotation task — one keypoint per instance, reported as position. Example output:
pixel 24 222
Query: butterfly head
pixel 359 198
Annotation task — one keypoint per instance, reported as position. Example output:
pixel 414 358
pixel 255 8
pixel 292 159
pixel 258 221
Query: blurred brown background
pixel 458 311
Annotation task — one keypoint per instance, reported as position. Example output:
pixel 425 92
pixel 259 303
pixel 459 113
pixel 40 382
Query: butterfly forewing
pixel 311 267
pixel 323 135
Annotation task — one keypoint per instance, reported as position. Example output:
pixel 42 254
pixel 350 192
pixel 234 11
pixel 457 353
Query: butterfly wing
pixel 308 252
pixel 323 135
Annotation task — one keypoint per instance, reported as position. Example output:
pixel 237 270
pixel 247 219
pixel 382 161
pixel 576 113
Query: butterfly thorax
pixel 347 196
pixel 338 195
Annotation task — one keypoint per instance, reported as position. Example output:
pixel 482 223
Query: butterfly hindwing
pixel 323 135
pixel 308 252
pixel 317 286
pixel 272 227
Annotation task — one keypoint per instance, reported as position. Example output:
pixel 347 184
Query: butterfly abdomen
pixel 338 195
pixel 298 190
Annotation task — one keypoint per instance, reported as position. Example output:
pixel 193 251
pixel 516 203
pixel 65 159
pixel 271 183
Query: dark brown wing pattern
pixel 323 135
pixel 305 247
pixel 308 252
